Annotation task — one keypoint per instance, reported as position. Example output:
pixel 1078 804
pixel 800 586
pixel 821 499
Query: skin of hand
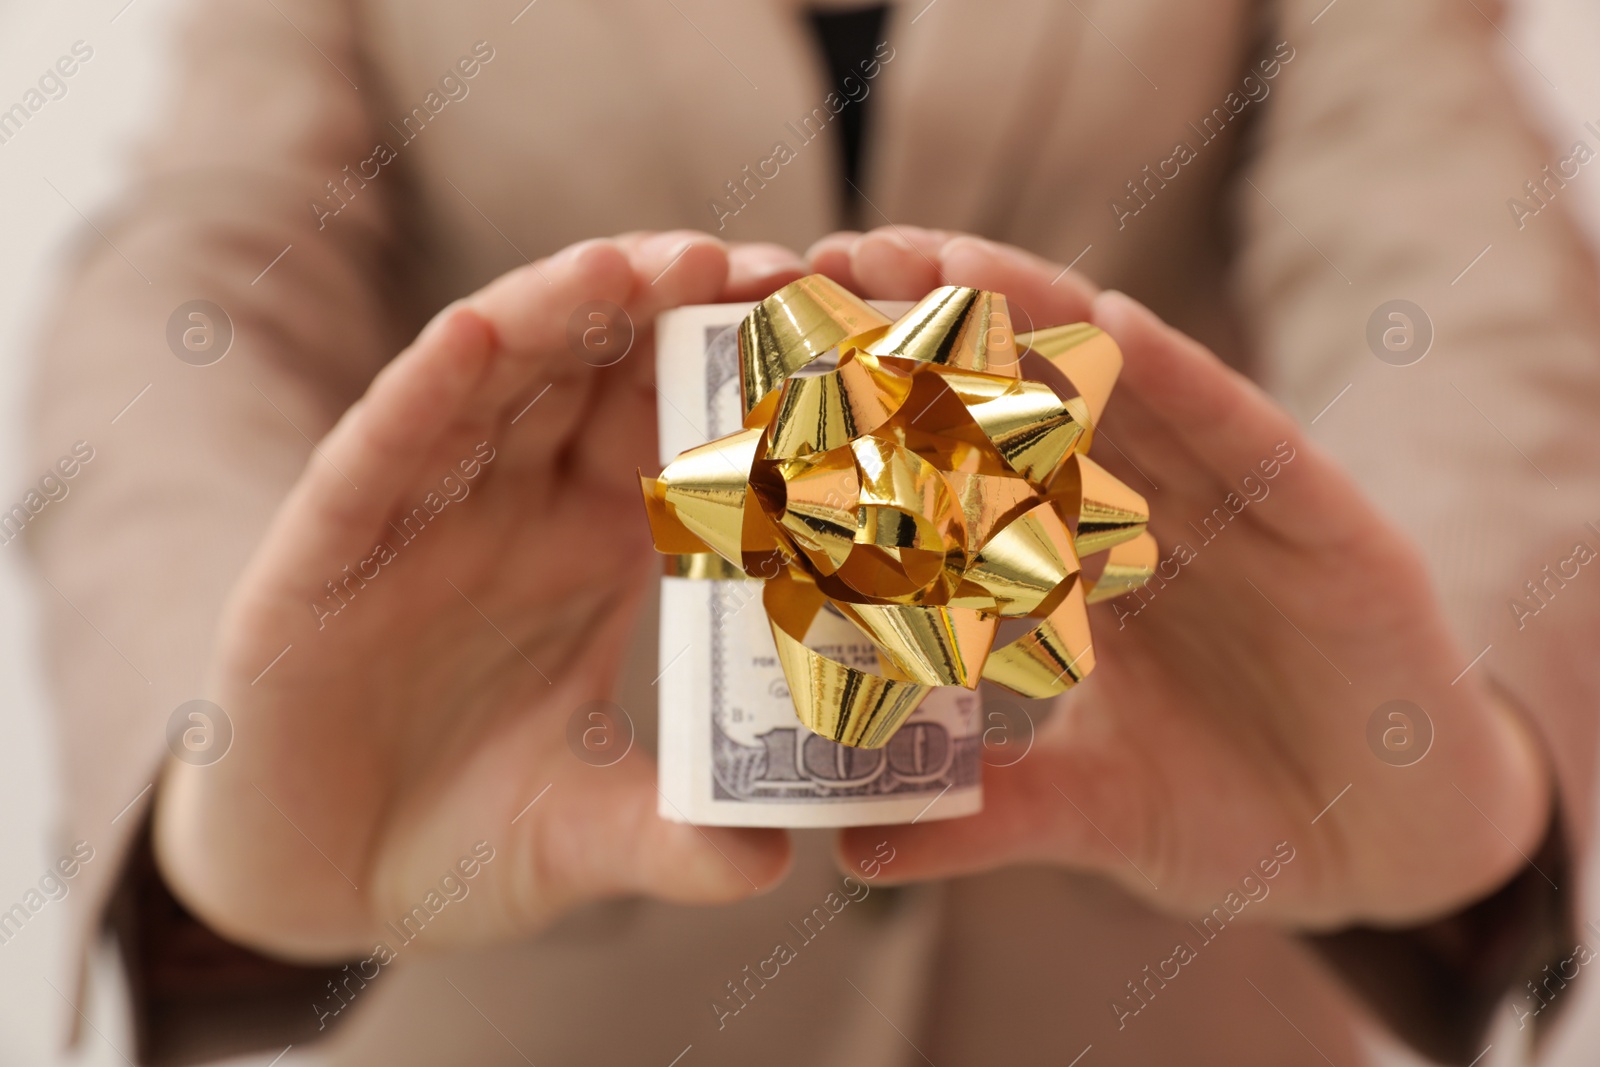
pixel 1226 716
pixel 426 714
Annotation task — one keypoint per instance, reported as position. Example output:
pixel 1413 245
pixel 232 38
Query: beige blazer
pixel 1270 216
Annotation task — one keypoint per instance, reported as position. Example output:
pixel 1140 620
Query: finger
pixel 377 450
pixel 681 254
pixel 672 269
pixel 632 280
pixel 1142 452
pixel 600 831
pixel 756 271
pixel 749 271
pixel 617 414
pixel 634 240
pixel 602 836
pixel 897 262
pixel 1041 293
pixel 533 309
pixel 588 833
pixel 570 828
pixel 468 361
pixel 1230 426
pixel 1067 807
pixel 830 256
pixel 529 307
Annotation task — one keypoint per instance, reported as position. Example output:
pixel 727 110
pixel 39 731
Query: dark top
pixel 847 40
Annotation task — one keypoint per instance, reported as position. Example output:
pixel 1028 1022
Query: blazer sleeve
pixel 196 417
pixel 1435 322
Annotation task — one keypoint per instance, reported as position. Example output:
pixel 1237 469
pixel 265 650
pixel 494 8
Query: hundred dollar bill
pixel 732 750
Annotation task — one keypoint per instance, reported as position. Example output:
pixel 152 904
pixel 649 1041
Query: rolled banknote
pixel 732 750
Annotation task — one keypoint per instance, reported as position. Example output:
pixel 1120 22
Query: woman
pixel 1268 177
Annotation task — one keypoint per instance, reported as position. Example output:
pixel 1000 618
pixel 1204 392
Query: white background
pixel 77 143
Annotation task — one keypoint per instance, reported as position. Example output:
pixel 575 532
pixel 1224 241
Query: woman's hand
pixel 456 572
pixel 1228 710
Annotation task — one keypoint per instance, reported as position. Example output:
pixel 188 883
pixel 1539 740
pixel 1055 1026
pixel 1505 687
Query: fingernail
pixel 1111 305
pixel 673 242
pixel 572 252
pixel 714 870
pixel 1011 255
pixel 436 324
pixel 1113 297
pixel 765 262
pixel 912 234
pixel 880 238
pixel 841 239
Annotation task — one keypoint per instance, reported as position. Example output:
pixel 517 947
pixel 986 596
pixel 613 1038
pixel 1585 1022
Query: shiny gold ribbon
pixel 906 474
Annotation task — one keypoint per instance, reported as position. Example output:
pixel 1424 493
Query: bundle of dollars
pixel 898 488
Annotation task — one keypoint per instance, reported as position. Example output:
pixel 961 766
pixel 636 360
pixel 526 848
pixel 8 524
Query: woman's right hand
pixel 400 690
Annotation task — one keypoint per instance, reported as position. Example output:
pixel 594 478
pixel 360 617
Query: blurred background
pixel 63 165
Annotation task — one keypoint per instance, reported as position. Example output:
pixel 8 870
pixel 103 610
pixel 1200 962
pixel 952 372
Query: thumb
pixel 1066 803
pixel 606 838
pixel 590 833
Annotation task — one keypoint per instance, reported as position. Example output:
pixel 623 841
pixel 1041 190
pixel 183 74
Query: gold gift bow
pixel 907 474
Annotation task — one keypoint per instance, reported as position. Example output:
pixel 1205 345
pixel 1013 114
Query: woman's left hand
pixel 1225 725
